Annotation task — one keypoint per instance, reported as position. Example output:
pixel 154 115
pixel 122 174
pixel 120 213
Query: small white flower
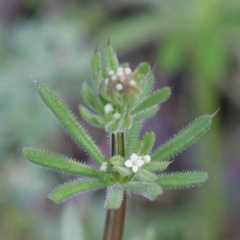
pixel 108 108
pixel 119 86
pixel 146 158
pixel 120 72
pixel 104 167
pixel 114 77
pixel 128 71
pixel 132 82
pixel 111 72
pixel 135 162
pixel 116 115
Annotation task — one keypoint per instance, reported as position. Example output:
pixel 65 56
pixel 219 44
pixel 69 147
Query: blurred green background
pixel 193 46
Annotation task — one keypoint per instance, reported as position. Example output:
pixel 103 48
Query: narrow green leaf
pixel 91 117
pixel 59 163
pixel 156 98
pixel 148 142
pixel 87 96
pixel 110 58
pixel 127 121
pixel 114 196
pixel 69 189
pixel 122 170
pixel 149 84
pixel 132 136
pixel 137 147
pixel 96 64
pixel 145 175
pixel 114 126
pixel 117 160
pixel 147 113
pixel 182 180
pixel 70 123
pixel 145 69
pixel 183 139
pixel 92 101
pixel 157 165
pixel 148 190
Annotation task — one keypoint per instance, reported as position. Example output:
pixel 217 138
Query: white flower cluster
pixel 120 76
pixel 108 108
pixel 135 161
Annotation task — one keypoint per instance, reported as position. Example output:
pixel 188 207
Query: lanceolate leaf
pixel 132 135
pixel 59 163
pixel 137 146
pixel 182 180
pixel 88 96
pixel 73 188
pixel 114 126
pixel 91 117
pixel 114 196
pixel 148 142
pixel 96 64
pixel 145 69
pixel 156 98
pixel 127 121
pixel 146 176
pixel 144 114
pixel 70 123
pixel 148 190
pixel 110 58
pixel 122 170
pixel 91 100
pixel 183 139
pixel 157 165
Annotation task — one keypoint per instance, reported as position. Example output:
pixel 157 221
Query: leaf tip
pixel 213 114
pixel 35 81
pixel 172 87
pixel 53 199
pixel 21 149
pixel 154 66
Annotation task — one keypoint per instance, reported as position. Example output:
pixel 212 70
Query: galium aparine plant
pixel 119 100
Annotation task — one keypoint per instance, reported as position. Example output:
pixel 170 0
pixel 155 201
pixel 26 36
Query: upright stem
pixel 115 218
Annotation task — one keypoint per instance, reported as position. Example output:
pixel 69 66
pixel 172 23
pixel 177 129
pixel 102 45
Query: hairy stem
pixel 114 224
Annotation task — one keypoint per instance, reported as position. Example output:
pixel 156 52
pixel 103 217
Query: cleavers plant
pixel 119 100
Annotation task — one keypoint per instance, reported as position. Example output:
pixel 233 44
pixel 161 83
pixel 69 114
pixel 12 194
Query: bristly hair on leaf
pixel 70 123
pixel 183 139
pixel 182 179
pixel 69 189
pixel 114 196
pixel 59 163
pixel 110 58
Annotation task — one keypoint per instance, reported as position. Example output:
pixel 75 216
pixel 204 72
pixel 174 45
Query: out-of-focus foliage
pixel 52 50
pixel 195 42
pixel 200 38
pixel 71 228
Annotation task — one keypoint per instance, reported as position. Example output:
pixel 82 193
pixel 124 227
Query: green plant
pixel 118 101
